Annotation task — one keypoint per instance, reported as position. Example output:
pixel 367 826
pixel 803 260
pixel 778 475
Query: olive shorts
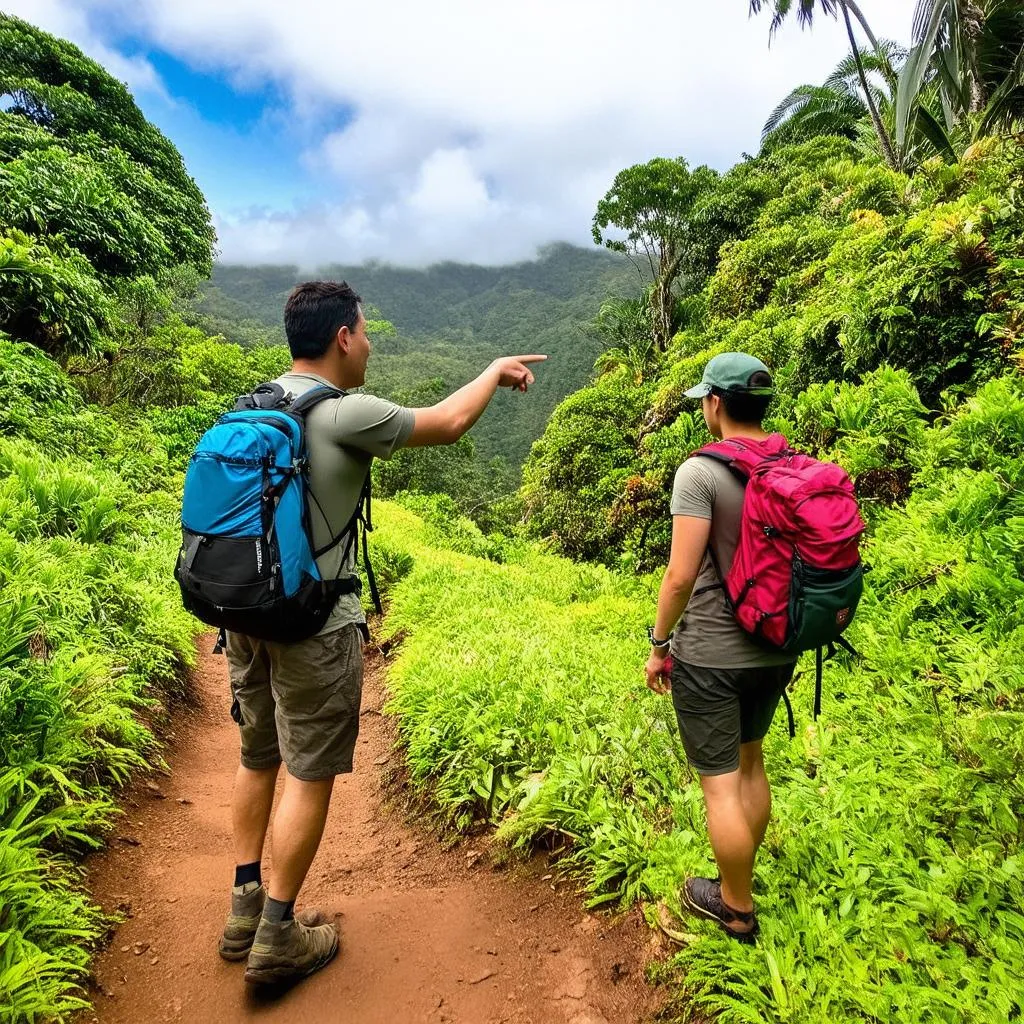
pixel 298 703
pixel 718 709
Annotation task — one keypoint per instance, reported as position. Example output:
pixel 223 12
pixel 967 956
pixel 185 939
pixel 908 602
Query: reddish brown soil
pixel 426 934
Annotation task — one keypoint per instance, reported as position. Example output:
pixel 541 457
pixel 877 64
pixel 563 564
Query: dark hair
pixel 745 408
pixel 315 312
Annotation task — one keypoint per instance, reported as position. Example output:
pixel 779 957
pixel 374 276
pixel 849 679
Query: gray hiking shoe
pixel 704 896
pixel 242 922
pixel 288 950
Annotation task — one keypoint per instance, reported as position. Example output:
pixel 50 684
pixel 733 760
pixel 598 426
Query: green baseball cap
pixel 731 371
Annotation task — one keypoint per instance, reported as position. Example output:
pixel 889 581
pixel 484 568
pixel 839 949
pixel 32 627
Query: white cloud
pixel 482 129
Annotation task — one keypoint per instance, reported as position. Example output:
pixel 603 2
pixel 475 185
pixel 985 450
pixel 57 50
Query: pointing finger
pixel 530 359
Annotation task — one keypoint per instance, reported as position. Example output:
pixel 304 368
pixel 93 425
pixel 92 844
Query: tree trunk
pixel 661 313
pixel 662 303
pixel 973 26
pixel 876 119
pixel 851 5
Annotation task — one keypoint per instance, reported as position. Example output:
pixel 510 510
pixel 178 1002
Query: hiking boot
pixel 289 950
pixel 704 896
pixel 242 922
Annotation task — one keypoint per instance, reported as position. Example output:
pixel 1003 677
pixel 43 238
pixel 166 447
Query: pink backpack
pixel 797 577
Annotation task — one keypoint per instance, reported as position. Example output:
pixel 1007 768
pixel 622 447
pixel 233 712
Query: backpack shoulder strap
pixel 743 455
pixel 266 396
pixel 272 396
pixel 310 399
pixel 361 519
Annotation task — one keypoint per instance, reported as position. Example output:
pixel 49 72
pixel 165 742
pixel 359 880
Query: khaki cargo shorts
pixel 298 703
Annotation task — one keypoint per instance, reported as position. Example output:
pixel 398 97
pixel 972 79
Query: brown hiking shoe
pixel 242 922
pixel 289 950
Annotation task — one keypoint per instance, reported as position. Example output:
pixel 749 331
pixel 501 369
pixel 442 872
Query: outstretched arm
pixel 447 421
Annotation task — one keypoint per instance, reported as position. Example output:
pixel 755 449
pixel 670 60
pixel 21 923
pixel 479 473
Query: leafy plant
pixel 90 635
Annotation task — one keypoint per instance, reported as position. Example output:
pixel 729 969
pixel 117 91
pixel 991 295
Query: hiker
pixel 725 688
pixel 298 703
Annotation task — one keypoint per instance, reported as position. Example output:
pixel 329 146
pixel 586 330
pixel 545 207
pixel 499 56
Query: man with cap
pixel 725 688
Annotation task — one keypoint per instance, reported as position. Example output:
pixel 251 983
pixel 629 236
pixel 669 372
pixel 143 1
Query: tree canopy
pixel 649 209
pixel 92 196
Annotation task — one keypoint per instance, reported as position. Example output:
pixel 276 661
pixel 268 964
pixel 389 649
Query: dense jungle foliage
pixel 886 293
pixel 101 232
pixel 842 266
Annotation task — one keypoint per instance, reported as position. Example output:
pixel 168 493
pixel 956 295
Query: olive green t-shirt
pixel 343 435
pixel 707 634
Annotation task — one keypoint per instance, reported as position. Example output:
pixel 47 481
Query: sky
pixel 411 132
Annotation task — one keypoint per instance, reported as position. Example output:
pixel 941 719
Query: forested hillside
pixel 876 295
pixel 450 321
pixel 872 254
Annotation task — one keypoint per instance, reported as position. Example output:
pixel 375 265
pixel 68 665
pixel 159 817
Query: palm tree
pixel 972 53
pixel 837 107
pixel 813 110
pixel 623 326
pixel 805 11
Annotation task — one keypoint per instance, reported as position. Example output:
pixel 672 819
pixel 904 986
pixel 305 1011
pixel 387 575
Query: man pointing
pixel 298 704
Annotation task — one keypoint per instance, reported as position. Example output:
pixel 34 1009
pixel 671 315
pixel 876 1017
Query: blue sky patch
pixel 241 144
pixel 211 95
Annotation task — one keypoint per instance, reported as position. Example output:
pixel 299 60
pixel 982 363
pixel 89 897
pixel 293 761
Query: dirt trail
pixel 426 935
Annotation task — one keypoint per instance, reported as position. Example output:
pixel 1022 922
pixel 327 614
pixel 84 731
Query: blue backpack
pixel 247 561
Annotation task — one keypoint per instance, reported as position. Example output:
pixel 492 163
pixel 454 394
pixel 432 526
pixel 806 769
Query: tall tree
pixel 805 11
pixel 649 210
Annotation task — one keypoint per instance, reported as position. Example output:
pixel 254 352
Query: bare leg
pixel 251 802
pixel 733 841
pixel 755 792
pixel 298 829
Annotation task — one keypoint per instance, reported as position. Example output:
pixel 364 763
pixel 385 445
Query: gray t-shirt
pixel 343 435
pixel 707 634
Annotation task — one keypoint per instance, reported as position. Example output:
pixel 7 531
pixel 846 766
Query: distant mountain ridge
pixel 452 319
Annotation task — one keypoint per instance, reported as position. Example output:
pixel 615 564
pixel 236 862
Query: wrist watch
pixel 658 643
